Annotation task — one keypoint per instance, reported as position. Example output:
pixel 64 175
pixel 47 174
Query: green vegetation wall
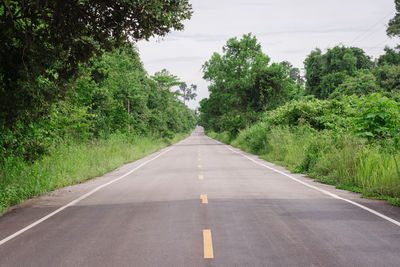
pixel 242 85
pixel 112 94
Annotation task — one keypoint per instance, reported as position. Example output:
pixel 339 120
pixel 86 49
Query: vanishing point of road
pixel 201 203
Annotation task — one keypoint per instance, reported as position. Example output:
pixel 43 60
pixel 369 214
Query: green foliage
pixel 254 139
pixel 391 56
pixel 119 95
pixel 334 158
pixel 114 113
pixel 43 43
pixel 243 84
pixel 314 67
pixel 330 82
pixel 225 137
pixel 186 92
pixel 294 73
pixel 343 132
pixel 388 77
pixel 318 114
pixel 377 117
pixel 165 80
pixel 394 24
pixel 325 72
pixel 373 117
pixel 363 83
pixel 71 163
pixel 75 100
pixel 273 87
pixel 113 94
pixel 351 142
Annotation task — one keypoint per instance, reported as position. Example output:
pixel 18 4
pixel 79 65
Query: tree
pixel 233 73
pixel 187 93
pixel 388 71
pixel 166 80
pixel 232 79
pixel 314 67
pixel 43 42
pixel 363 83
pixel 325 72
pixel 242 85
pixel 377 117
pixel 273 87
pixel 394 24
pixel 294 73
pixel 388 77
pixel 117 91
pixel 391 56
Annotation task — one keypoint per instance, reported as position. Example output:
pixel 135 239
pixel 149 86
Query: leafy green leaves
pixel 243 84
pixel 43 43
pixel 113 94
pixel 377 117
pixel 394 24
pixel 325 72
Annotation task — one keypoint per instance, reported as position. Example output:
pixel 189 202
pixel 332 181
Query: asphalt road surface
pixel 201 203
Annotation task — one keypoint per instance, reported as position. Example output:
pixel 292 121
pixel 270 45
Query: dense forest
pixel 75 99
pixel 340 124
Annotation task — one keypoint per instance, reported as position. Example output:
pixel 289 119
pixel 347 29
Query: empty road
pixel 201 203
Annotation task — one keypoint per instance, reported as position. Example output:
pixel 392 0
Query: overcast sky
pixel 287 30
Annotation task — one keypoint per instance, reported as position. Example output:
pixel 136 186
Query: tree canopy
pixel 112 94
pixel 187 92
pixel 166 80
pixel 391 56
pixel 43 42
pixel 325 72
pixel 394 24
pixel 242 83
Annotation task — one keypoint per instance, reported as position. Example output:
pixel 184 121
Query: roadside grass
pixel 70 164
pixel 338 159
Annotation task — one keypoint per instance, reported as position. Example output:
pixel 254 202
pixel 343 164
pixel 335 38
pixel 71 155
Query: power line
pixel 367 33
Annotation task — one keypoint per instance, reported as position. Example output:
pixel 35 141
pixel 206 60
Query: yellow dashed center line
pixel 207 242
pixel 204 199
pixel 207 239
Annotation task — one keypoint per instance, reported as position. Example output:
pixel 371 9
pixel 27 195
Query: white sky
pixel 287 30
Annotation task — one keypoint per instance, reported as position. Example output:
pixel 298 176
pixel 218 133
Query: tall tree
pixel 313 65
pixel 391 56
pixel 294 73
pixel 43 42
pixel 242 84
pixel 187 93
pixel 394 24
pixel 233 72
pixel 166 80
pixel 326 71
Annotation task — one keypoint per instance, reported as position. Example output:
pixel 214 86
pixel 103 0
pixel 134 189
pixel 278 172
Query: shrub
pixel 377 117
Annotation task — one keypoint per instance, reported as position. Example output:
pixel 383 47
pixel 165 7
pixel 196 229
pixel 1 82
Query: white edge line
pixel 317 188
pixel 8 238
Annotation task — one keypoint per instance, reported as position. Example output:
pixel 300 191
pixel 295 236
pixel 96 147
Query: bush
pixel 329 156
pixel 253 139
pixel 319 114
pixel 377 118
pixel 363 83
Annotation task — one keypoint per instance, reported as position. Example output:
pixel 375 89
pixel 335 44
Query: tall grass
pixel 339 159
pixel 69 164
